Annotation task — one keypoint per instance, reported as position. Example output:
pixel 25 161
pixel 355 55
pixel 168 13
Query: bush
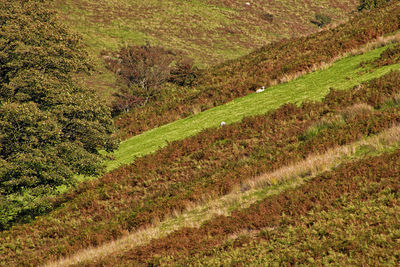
pixel 124 101
pixel 321 20
pixel 371 4
pixel 144 70
pixel 184 73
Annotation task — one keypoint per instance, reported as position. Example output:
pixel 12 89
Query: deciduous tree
pixel 50 129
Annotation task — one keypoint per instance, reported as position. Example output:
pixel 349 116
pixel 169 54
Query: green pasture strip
pixel 343 74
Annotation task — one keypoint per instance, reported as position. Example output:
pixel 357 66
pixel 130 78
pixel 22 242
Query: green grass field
pixel 343 74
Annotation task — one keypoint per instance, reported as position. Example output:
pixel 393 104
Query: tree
pixel 145 71
pixel 145 68
pixel 50 129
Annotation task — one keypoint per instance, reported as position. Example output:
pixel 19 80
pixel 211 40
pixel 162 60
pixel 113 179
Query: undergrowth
pixel 347 216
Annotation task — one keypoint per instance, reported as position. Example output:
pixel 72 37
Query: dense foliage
pixel 207 165
pixel 50 129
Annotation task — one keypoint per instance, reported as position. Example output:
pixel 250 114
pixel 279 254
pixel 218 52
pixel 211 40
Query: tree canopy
pixel 50 128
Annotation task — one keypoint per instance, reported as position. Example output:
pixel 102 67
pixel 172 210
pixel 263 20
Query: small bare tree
pixel 144 68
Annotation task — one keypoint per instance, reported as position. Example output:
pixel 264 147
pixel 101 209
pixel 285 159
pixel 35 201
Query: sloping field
pixel 343 74
pixel 210 32
pixel 278 62
pixel 305 191
pixel 208 165
pixel 347 216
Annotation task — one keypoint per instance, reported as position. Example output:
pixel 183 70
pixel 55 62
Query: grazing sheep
pixel 248 3
pixel 260 90
pixel 222 123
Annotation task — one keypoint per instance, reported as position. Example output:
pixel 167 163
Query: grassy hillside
pixel 347 216
pixel 210 32
pixel 250 192
pixel 278 62
pixel 343 74
pixel 301 174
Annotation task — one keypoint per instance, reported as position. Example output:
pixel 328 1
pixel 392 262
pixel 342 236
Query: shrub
pixel 183 73
pixel 371 4
pixel 124 101
pixel 321 20
pixel 145 71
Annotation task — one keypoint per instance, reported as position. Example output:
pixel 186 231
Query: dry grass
pixel 241 197
pixel 355 110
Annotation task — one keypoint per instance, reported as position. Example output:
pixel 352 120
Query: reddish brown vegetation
pixel 208 164
pixel 320 194
pixel 239 77
pixel 389 56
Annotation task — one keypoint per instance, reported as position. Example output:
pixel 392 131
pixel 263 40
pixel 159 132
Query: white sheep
pixel 222 123
pixel 261 89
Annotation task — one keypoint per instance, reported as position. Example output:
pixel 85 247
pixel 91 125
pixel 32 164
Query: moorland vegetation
pixel 53 129
pixel 207 165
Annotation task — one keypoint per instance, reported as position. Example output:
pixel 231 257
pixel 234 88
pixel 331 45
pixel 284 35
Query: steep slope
pixel 343 74
pixel 218 161
pixel 348 216
pixel 251 191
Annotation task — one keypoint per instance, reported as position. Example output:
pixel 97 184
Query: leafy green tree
pixel 50 129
